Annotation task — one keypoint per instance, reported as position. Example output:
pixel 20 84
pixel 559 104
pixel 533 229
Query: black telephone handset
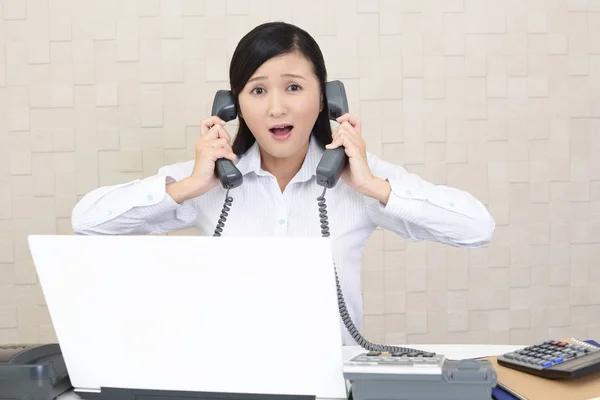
pixel 224 107
pixel 333 161
pixel 328 172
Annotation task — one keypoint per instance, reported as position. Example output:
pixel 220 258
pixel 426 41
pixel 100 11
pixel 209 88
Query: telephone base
pixel 136 394
pixel 32 372
pixel 385 376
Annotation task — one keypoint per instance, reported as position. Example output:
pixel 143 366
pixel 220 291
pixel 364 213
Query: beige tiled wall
pixel 498 97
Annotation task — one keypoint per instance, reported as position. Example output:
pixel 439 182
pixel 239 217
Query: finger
pixel 336 135
pixel 344 127
pixel 224 134
pixel 351 119
pixel 337 142
pixel 227 153
pixel 343 117
pixel 352 136
pixel 353 144
pixel 346 130
pixel 213 133
pixel 350 140
pixel 347 126
pixel 214 120
pixel 208 123
pixel 231 155
pixel 218 143
pixel 223 153
pixel 340 128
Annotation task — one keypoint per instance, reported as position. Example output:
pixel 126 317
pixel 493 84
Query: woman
pixel 278 77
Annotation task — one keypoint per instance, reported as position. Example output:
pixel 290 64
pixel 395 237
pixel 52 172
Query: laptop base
pixel 142 394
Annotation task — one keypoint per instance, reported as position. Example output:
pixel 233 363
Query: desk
pixel 459 351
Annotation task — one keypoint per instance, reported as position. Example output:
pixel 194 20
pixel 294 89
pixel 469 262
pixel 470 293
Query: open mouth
pixel 281 132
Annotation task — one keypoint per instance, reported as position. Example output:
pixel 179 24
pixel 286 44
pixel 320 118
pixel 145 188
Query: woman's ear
pixel 239 110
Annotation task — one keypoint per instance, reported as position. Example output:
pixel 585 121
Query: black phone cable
pixel 224 213
pixel 354 332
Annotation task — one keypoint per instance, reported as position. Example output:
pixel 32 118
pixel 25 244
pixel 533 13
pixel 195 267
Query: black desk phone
pixel 32 372
pixel 328 172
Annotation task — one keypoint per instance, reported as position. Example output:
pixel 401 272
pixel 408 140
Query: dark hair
pixel 262 43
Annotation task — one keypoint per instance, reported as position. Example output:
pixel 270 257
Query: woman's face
pixel 280 104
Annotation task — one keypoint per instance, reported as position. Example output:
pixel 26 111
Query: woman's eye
pixel 257 90
pixel 295 88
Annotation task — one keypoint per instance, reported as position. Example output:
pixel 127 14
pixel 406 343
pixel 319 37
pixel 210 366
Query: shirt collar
pixel 250 162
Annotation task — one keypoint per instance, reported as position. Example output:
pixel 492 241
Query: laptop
pixel 192 314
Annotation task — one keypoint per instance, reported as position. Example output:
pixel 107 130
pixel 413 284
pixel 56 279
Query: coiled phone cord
pixel 354 332
pixel 224 213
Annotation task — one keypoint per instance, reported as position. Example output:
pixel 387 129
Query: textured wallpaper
pixel 497 97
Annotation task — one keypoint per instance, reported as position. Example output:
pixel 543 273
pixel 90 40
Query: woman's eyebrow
pixel 293 76
pixel 257 78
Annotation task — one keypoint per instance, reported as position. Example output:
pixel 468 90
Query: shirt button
pixel 451 204
pixel 109 212
pixel 150 197
pixel 281 221
pixel 408 193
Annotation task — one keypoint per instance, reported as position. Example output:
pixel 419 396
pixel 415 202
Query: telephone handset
pixel 224 108
pixel 332 162
pixel 328 172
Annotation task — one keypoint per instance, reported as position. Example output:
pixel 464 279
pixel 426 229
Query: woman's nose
pixel 276 105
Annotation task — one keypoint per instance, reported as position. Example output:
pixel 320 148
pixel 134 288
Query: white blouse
pixel 416 210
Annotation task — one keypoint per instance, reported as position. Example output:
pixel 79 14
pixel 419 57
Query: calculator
pixel 554 359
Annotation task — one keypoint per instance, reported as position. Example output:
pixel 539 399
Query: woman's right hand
pixel 214 143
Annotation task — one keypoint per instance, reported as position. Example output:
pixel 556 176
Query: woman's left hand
pixel 358 174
